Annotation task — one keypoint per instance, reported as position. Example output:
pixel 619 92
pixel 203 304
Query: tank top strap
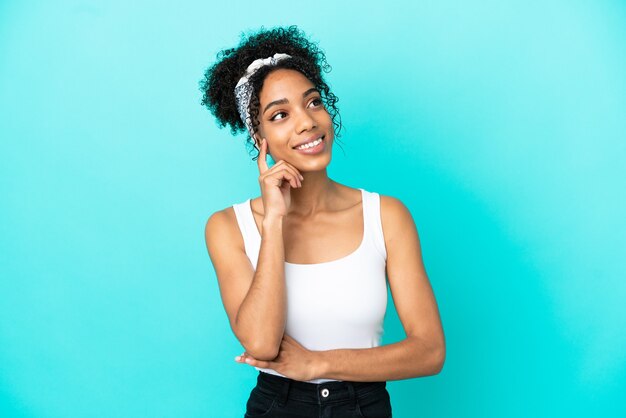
pixel 249 230
pixel 373 222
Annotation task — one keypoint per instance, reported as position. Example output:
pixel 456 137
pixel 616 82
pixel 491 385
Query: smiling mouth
pixel 321 139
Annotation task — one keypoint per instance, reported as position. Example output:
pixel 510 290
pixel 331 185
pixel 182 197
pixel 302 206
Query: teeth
pixel 310 144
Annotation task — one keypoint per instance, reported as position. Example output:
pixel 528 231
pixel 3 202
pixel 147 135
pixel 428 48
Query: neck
pixel 314 195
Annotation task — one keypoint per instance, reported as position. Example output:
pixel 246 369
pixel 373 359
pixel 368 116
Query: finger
pixel 294 169
pixel 289 340
pixel 277 177
pixel 242 358
pixel 283 165
pixel 262 160
pixel 290 177
pixel 293 341
pixel 259 363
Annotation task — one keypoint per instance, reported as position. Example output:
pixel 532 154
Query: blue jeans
pixel 277 396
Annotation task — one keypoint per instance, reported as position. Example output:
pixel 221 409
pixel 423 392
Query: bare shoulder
pixel 392 205
pixel 395 217
pixel 222 227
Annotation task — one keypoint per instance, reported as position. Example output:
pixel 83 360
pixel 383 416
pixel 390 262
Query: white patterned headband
pixel 243 89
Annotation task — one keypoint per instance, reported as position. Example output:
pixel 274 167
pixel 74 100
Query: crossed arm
pixel 421 353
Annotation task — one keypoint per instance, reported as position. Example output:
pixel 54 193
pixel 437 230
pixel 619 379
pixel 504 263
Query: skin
pixel 322 221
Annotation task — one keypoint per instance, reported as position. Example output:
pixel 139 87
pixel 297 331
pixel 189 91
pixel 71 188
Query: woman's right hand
pixel 276 183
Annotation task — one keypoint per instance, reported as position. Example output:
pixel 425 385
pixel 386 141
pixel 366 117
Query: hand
pixel 293 361
pixel 276 183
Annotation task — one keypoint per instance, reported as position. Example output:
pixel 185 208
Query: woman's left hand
pixel 293 360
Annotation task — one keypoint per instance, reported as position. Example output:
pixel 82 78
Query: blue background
pixel 499 124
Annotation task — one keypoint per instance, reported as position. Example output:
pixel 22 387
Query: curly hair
pixel 219 80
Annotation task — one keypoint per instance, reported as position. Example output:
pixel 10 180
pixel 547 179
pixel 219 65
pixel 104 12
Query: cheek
pixel 327 119
pixel 278 134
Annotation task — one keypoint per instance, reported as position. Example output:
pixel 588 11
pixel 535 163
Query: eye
pixel 279 113
pixel 318 100
pixel 315 100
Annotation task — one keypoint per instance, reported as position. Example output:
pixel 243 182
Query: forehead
pixel 284 83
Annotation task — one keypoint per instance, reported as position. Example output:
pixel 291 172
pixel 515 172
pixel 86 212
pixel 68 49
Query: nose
pixel 305 122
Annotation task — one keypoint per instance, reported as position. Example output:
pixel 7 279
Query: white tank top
pixel 335 304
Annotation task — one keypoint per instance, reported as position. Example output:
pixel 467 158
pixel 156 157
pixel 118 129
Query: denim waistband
pixel 314 393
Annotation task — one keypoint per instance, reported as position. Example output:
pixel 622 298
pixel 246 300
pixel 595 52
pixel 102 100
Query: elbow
pixel 259 348
pixel 262 351
pixel 433 355
pixel 438 357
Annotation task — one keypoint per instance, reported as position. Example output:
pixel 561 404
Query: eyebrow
pixel 283 101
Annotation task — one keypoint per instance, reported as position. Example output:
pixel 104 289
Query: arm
pixel 411 357
pixel 255 301
pixel 421 353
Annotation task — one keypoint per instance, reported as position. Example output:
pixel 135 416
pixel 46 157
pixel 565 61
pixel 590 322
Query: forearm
pixel 409 358
pixel 261 318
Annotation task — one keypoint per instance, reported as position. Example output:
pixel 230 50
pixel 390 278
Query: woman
pixel 301 269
